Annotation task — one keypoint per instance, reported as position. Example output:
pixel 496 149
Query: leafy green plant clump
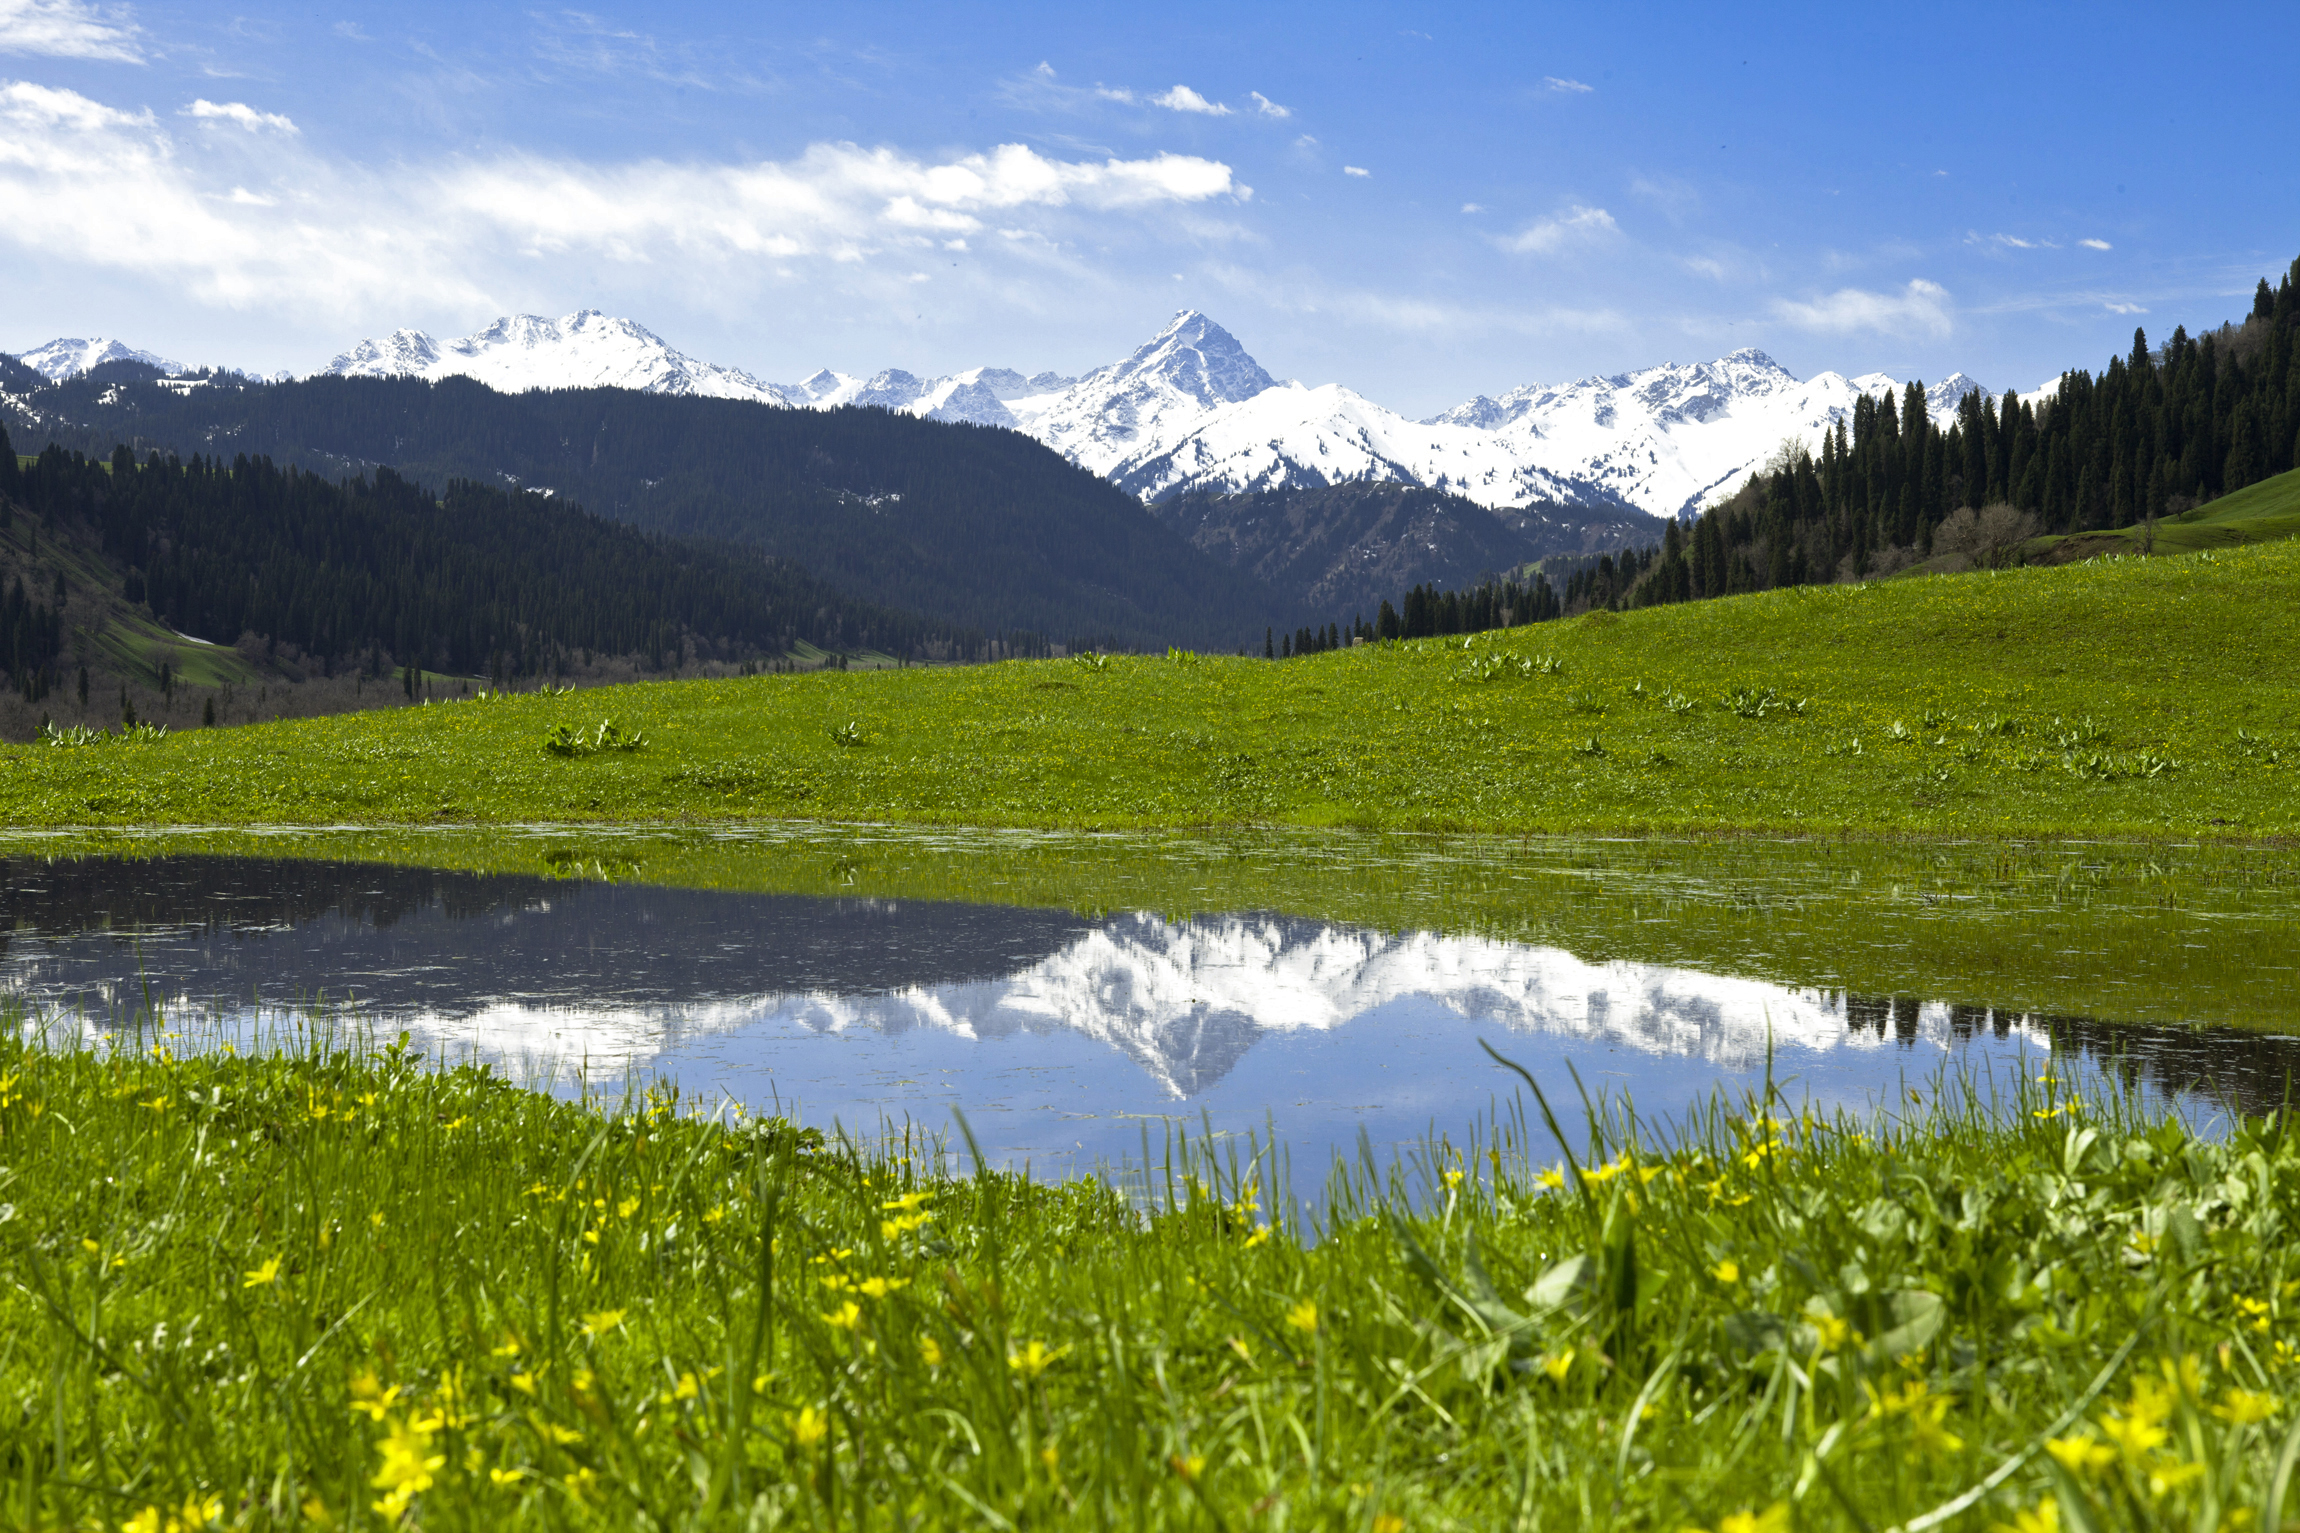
pixel 335 1288
pixel 566 740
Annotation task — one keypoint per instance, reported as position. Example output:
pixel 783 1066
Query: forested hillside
pixel 2154 434
pixel 377 574
pixel 1340 550
pixel 974 526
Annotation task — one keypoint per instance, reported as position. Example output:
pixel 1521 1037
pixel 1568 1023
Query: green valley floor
pixel 2132 697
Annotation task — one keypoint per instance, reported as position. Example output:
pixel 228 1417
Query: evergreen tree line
pixel 31 635
pixel 1429 612
pixel 378 570
pixel 2156 433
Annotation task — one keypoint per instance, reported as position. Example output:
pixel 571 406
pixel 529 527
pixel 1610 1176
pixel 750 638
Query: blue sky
pixel 1422 203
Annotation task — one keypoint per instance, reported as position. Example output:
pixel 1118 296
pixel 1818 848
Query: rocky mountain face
pixel 1347 548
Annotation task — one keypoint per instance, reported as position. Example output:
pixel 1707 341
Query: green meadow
pixel 2151 698
pixel 336 1288
pixel 331 1285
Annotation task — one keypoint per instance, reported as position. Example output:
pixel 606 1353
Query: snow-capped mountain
pixel 1191 369
pixel 587 349
pixel 70 357
pixel 1674 438
pixel 1191 410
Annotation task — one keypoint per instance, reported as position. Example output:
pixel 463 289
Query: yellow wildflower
pixel 2244 1406
pixel 369 1395
pixel 261 1276
pixel 2080 1454
pixel 1303 1317
pixel 1727 1271
pixel 809 1427
pixel 1034 1358
pixel 601 1323
pixel 1557 1365
pixel 407 1466
pixel 2045 1519
pixel 846 1317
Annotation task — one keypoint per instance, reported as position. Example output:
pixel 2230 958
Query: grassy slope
pixel 337 1291
pixel 2097 698
pixel 2259 513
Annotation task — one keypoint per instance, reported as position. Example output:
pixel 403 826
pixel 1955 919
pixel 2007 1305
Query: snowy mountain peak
pixel 586 349
pixel 1196 357
pixel 68 357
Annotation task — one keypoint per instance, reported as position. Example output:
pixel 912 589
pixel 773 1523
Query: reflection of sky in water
pixel 1062 1038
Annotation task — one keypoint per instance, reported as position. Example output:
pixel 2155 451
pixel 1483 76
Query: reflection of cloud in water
pixel 1187 1001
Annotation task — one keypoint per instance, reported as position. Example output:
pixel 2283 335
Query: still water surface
pixel 1063 1037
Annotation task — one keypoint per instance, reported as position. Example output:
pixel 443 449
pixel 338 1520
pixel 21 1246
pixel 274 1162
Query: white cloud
pixel 1044 71
pixel 1183 99
pixel 1921 307
pixel 1305 142
pixel 68 29
pixel 1355 170
pixel 241 113
pixel 1568 87
pixel 1574 226
pixel 1267 107
pixel 1115 93
pixel 1473 207
pixel 92 185
pixel 2124 308
pixel 2096 244
pixel 350 32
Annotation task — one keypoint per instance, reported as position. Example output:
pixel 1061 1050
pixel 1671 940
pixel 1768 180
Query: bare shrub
pixel 1986 537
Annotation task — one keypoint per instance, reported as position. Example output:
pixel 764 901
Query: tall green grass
pixel 331 1286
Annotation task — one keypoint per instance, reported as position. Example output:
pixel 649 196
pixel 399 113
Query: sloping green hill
pixel 2126 697
pixel 2258 513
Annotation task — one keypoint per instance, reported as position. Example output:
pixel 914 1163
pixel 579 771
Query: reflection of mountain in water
pixel 512 965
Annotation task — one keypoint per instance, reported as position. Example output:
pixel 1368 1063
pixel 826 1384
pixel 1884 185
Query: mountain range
pixel 1191 412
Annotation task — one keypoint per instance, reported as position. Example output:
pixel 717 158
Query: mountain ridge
pixel 1191 411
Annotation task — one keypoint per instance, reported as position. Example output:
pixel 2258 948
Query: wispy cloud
pixel 1355 170
pixel 240 114
pixel 1920 308
pixel 1183 99
pixel 1473 207
pixel 2096 244
pixel 2124 308
pixel 87 183
pixel 1567 87
pixel 2007 242
pixel 69 29
pixel 350 32
pixel 1574 226
pixel 1267 107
